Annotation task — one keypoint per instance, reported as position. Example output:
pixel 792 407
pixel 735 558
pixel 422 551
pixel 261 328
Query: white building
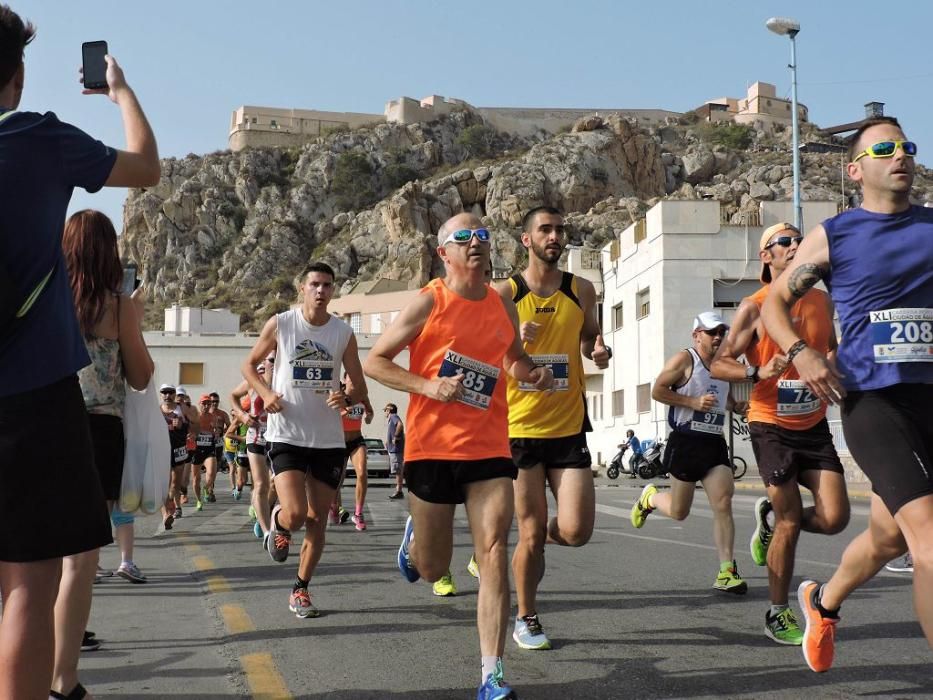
pixel 662 271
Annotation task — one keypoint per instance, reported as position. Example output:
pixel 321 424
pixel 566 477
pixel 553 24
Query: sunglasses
pixel 886 149
pixel 270 360
pixel 784 241
pixel 721 332
pixel 465 235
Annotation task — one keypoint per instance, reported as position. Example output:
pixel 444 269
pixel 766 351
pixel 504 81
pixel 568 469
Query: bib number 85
pixel 474 380
pixel 911 332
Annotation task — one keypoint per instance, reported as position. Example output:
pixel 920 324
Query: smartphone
pixel 95 67
pixel 130 280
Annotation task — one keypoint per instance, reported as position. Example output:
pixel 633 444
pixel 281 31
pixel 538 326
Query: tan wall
pixel 288 127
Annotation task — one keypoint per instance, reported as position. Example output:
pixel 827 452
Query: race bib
pixel 356 412
pixel 479 379
pixel 902 335
pixel 180 454
pixel 205 439
pixel 560 366
pixel 795 399
pixel 317 375
pixel 708 422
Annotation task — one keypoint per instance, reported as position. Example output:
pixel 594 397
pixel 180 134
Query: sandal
pixel 77 693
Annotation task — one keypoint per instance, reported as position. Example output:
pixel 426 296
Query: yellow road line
pixel 236 619
pixel 215 582
pixel 265 682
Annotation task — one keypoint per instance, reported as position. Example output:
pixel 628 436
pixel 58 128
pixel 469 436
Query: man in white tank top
pixel 696 450
pixel 305 433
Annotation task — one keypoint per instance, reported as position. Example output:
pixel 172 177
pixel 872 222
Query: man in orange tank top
pixel 789 432
pixel 460 334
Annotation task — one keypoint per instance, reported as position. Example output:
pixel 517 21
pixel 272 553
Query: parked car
pixel 377 459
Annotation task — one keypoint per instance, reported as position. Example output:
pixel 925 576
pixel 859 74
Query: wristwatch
pixel 751 374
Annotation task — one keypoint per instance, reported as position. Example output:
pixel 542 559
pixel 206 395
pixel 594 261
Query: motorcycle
pixel 617 465
pixel 652 465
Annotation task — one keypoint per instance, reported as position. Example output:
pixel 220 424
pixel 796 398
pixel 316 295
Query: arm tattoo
pixel 804 277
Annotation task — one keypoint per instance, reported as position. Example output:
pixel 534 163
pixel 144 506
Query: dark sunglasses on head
pixel 886 149
pixel 465 235
pixel 784 241
pixel 721 332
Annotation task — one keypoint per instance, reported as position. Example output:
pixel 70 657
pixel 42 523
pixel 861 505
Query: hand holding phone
pixel 94 65
pixel 130 280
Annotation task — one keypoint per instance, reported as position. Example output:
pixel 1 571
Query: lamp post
pixel 791 27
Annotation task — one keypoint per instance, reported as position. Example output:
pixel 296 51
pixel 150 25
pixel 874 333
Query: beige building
pixel 761 105
pixel 270 126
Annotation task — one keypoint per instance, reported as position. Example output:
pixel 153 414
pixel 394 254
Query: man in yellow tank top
pixel 787 424
pixel 547 430
pixel 460 335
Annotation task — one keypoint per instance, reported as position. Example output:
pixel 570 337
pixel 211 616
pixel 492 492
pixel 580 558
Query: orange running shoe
pixel 819 635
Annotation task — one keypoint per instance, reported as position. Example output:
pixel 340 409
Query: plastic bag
pixel 147 455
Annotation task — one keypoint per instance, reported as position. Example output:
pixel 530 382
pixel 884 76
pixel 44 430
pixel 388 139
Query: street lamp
pixel 791 27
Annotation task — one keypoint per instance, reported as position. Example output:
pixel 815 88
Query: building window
pixel 618 402
pixel 728 294
pixel 596 410
pixel 643 302
pixel 255 120
pixel 616 316
pixel 643 398
pixel 191 373
pixel 355 322
pixel 375 323
pixel 641 230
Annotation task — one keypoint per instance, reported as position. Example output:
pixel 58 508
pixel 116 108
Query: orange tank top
pixel 461 337
pixel 785 400
pixel 353 418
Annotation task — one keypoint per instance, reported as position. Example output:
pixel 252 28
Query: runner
pixel 221 422
pixel 788 428
pixel 236 456
pixel 305 436
pixel 877 263
pixel 457 448
pixel 547 430
pixel 395 446
pixel 696 450
pixel 255 418
pixel 177 424
pixel 204 452
pixel 352 419
pixel 191 416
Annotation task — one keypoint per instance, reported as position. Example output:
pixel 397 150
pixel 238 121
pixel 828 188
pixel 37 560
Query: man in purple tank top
pixel 877 262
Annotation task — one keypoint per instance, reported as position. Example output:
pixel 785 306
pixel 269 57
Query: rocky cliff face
pixel 233 229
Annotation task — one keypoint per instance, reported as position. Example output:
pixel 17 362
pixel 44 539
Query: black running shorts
pixel 325 464
pixel 691 457
pixel 783 454
pixel 202 454
pixel 67 514
pixel 568 452
pixel 443 481
pixel 890 434
pixel 354 444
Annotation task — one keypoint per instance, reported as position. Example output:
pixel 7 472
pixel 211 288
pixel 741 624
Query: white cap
pixel 708 320
pixel 181 391
pixel 166 387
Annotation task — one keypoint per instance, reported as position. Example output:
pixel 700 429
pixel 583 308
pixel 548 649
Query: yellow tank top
pixel 537 414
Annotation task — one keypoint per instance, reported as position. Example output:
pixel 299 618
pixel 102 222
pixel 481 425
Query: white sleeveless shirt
pixel 701 423
pixel 307 367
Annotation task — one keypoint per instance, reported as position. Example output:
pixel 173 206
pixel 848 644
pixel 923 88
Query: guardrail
pixel 839 439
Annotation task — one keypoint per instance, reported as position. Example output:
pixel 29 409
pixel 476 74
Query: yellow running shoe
pixel 473 567
pixel 444 586
pixel 642 509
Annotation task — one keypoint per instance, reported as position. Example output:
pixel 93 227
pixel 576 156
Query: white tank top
pixel 307 367
pixel 707 423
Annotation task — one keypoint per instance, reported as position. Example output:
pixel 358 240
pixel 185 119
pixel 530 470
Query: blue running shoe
pixel 257 530
pixel 529 635
pixel 405 564
pixel 494 688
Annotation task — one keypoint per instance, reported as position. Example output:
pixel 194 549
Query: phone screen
pixel 129 280
pixel 95 67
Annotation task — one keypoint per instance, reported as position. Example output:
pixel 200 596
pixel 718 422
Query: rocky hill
pixel 233 229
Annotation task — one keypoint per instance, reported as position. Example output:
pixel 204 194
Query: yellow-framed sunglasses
pixel 887 149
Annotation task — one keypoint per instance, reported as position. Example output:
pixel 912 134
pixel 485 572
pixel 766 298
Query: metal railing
pixel 839 439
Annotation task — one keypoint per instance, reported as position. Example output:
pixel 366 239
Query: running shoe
pixel 819 635
pixel 641 510
pixel 494 688
pixel 359 521
pixel 333 517
pixel 445 586
pixel 131 572
pixel 168 522
pixel 473 567
pixel 279 540
pixel 299 602
pixel 257 530
pixel 205 496
pixel 89 643
pixel 199 504
pixel 252 513
pixel 343 514
pixel 396 496
pixel 783 628
pixel 211 498
pixel 761 537
pixel 405 564
pixel 904 564
pixel 177 513
pixel 729 580
pixel 529 635
pixel 237 495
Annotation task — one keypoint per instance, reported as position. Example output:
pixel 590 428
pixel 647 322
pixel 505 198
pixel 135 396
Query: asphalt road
pixel 631 615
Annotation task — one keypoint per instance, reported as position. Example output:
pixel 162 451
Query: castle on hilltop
pixel 252 126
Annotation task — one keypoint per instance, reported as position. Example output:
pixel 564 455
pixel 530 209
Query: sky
pixel 192 63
